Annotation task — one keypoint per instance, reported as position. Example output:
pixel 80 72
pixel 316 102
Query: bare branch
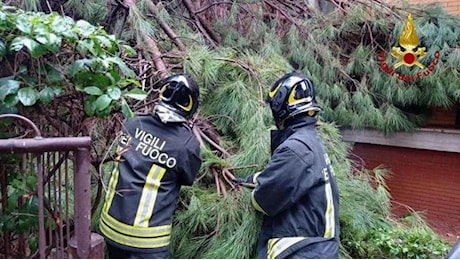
pixel 166 28
pixel 156 57
pixel 202 25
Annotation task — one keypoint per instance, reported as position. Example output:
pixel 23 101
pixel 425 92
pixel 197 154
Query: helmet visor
pixel 177 93
pixel 301 93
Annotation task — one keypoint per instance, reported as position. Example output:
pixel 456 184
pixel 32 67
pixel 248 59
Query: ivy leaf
pixel 62 25
pixel 130 51
pixel 50 40
pixel 23 24
pixel 125 109
pixel 85 28
pixel 53 74
pixel 122 65
pixel 92 90
pixel 91 46
pixel 105 113
pixel 36 49
pixel 114 93
pixel 80 65
pixel 113 75
pixel 17 44
pixel 90 105
pixel 126 82
pixel 102 102
pixel 11 100
pixel 7 110
pixel 8 86
pixel 101 80
pixel 137 94
pixel 28 96
pixel 106 43
pixel 48 93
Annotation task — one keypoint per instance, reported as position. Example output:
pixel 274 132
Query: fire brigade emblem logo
pixel 408 53
pixel 409 50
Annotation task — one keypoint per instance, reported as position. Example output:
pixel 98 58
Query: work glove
pixel 238 181
pixel 244 182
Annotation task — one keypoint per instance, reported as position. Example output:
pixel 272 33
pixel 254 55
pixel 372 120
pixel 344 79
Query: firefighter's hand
pixel 238 181
pixel 243 183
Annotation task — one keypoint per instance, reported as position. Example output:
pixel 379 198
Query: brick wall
pixel 440 117
pixel 424 180
pixel 452 6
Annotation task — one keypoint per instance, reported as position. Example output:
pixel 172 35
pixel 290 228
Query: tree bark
pixel 156 57
pixel 202 25
pixel 166 28
pixel 152 46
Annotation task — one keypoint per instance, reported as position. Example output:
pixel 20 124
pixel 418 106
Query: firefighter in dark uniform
pixel 158 154
pixel 297 191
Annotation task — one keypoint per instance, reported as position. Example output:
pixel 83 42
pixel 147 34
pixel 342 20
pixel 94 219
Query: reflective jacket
pixel 298 194
pixel 156 159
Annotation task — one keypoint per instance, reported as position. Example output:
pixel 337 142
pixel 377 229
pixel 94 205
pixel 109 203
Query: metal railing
pixel 64 205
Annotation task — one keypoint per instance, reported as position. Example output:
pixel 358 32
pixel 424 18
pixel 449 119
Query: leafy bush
pixel 413 240
pixel 49 57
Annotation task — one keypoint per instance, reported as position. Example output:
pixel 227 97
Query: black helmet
pixel 180 94
pixel 291 95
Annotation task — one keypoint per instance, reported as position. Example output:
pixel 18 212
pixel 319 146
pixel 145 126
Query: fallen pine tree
pixel 236 50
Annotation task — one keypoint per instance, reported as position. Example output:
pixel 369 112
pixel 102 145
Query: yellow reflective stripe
pixel 110 193
pixel 330 212
pixel 292 100
pixel 271 243
pixel 163 88
pixel 149 196
pixel 190 104
pixel 278 245
pixel 272 93
pixel 255 204
pixel 144 242
pixel 121 227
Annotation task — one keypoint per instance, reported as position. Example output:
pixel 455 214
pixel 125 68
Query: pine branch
pixel 201 24
pixel 215 145
pixel 151 44
pixel 166 28
pixel 203 9
pixel 156 57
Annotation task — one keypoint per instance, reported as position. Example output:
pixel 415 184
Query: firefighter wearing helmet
pixel 158 153
pixel 296 191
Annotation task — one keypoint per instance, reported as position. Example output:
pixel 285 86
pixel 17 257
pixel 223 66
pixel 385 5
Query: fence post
pixel 96 251
pixel 82 195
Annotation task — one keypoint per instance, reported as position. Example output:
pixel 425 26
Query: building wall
pixel 440 117
pixel 452 6
pixel 422 180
